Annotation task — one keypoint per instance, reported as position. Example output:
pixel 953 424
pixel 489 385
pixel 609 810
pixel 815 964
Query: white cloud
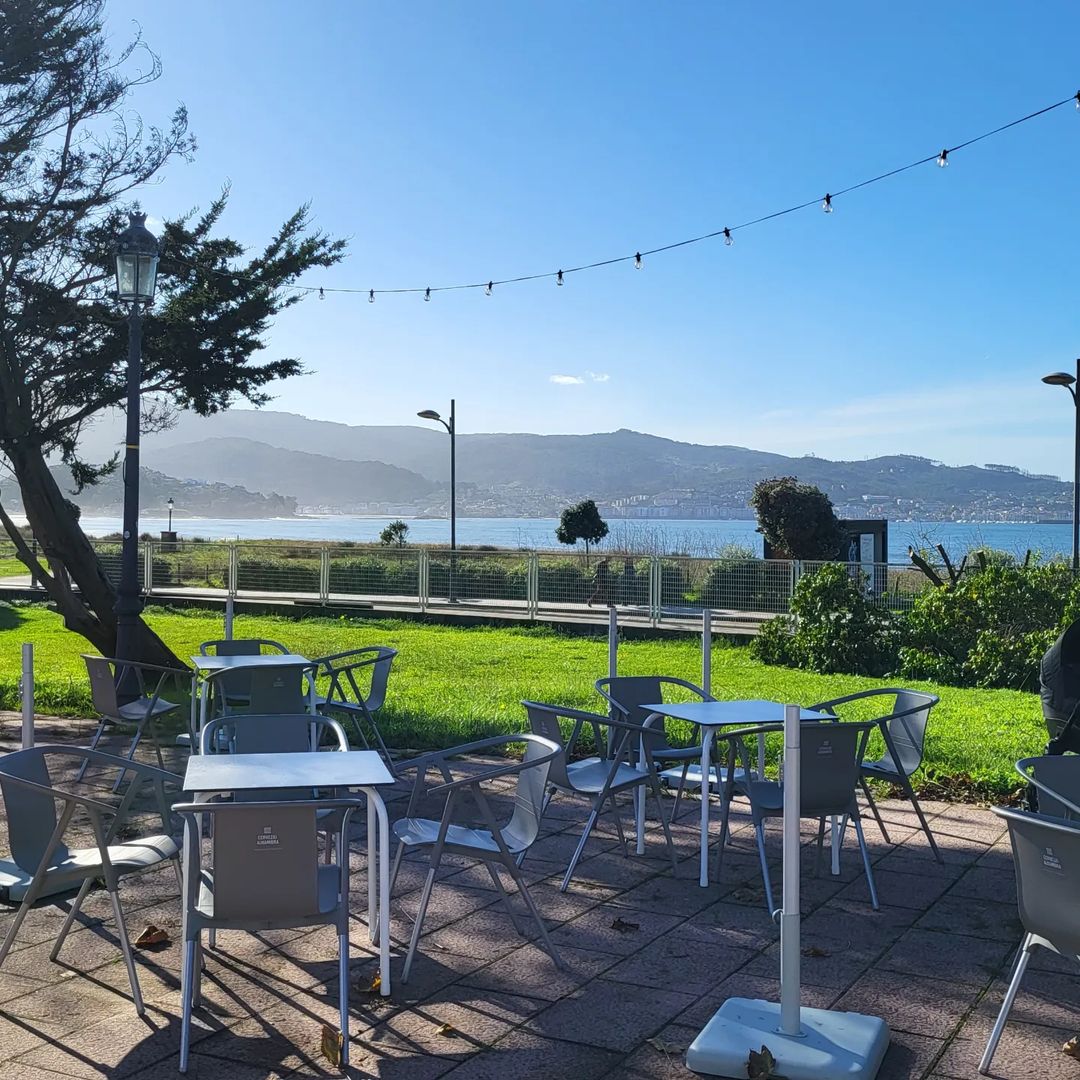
pixel 566 380
pixel 598 377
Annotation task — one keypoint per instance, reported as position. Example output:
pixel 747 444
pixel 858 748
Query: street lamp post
pixel 170 504
pixel 1063 378
pixel 451 428
pixel 136 276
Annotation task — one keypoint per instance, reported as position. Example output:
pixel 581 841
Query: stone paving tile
pixel 666 895
pixel 923 1006
pixel 825 963
pixel 742 925
pixel 986 883
pixel 613 929
pixel 902 890
pixel 522 1055
pixel 946 956
pixel 976 918
pixel 745 985
pixel 909 1055
pixel 911 860
pixel 1044 997
pixel 1025 1052
pixel 660 1058
pixel 615 1016
pixel 691 966
pixel 531 972
pixel 447 904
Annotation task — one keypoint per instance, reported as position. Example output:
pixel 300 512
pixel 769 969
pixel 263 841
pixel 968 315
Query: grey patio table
pixel 710 716
pixel 363 770
pixel 205 665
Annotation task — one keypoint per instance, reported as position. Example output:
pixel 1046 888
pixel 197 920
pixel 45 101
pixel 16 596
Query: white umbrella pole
pixel 789 917
pixel 27 695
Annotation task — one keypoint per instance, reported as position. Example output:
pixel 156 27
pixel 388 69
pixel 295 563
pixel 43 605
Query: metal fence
pixel 517 584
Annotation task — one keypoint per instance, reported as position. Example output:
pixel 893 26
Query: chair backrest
pixel 240 647
pixel 829 759
pixel 31 815
pixel 1046 857
pixel 349 671
pixel 524 825
pixel 629 694
pixel 1056 777
pixel 278 689
pixel 102 685
pixel 907 727
pixel 276 733
pixel 544 721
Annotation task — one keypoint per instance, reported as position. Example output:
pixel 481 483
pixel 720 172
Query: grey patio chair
pixel 42 864
pixel 260 872
pixel 235 687
pixel 493 844
pixel 599 779
pixel 283 688
pixel 830 756
pixel 358 681
pixel 1046 858
pixel 628 694
pixel 105 675
pixel 1056 779
pixel 904 731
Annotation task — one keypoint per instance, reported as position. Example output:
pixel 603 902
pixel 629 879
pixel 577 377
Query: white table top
pixel 721 713
pixel 219 663
pixel 251 772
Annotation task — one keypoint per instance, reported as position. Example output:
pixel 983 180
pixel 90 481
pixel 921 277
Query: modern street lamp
pixel 136 277
pixel 170 504
pixel 1063 378
pixel 451 428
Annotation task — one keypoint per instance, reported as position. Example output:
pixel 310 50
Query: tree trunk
pixel 73 562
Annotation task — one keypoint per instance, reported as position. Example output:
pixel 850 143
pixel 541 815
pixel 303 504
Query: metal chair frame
pixel 345 694
pixel 97 811
pixel 900 775
pixel 622 770
pixel 506 854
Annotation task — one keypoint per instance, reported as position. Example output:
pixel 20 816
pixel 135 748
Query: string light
pixel 941 159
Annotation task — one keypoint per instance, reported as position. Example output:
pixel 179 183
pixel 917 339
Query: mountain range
pixel 348 468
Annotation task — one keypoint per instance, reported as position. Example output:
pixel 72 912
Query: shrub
pixel 775 642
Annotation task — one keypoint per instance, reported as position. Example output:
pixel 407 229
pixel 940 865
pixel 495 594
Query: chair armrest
pixel 150 771
pixel 59 793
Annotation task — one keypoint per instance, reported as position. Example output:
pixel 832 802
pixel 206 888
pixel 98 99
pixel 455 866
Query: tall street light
pixel 431 414
pixel 136 276
pixel 1063 378
pixel 170 504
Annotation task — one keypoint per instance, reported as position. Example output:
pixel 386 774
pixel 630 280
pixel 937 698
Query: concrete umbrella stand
pixel 807 1044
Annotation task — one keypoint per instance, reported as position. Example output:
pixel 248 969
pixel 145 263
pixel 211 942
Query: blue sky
pixel 460 141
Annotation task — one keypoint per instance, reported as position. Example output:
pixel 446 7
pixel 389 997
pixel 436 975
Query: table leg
pixel 375 800
pixel 834 844
pixel 706 756
pixel 194 714
pixel 372 861
pixel 639 801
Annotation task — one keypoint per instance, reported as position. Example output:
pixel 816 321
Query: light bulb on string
pixel 943 159
pixel 488 287
pixel 371 296
pixel 322 295
pixel 427 293
pixel 826 203
pixel 637 261
pixel 728 238
pixel 558 278
pixel 236 282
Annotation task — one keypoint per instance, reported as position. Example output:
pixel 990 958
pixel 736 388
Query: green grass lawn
pixel 453 684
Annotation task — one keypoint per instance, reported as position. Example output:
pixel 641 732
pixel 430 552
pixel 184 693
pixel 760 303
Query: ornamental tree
pixel 72 156
pixel 581 522
pixel 797 519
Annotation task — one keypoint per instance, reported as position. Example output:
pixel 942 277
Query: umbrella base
pixel 833 1045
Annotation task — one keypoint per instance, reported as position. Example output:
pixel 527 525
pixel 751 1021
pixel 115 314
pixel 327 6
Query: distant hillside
pixel 312 479
pixel 311 460
pixel 191 498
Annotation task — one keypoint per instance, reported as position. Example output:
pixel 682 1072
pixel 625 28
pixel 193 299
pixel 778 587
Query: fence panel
pixel 496 578
pixel 389 572
pixel 278 569
pixel 189 564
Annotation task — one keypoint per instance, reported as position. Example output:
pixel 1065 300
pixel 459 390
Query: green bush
pixel 837 628
pixel 990 629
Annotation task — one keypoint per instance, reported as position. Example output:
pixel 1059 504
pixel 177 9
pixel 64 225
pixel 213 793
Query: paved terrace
pixel 650 958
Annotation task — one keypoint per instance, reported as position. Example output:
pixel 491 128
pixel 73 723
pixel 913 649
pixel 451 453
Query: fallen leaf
pixel 760 1065
pixel 447 1031
pixel 1072 1047
pixel 332 1044
pixel 666 1048
pixel 151 935
pixel 814 951
pixel 624 927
